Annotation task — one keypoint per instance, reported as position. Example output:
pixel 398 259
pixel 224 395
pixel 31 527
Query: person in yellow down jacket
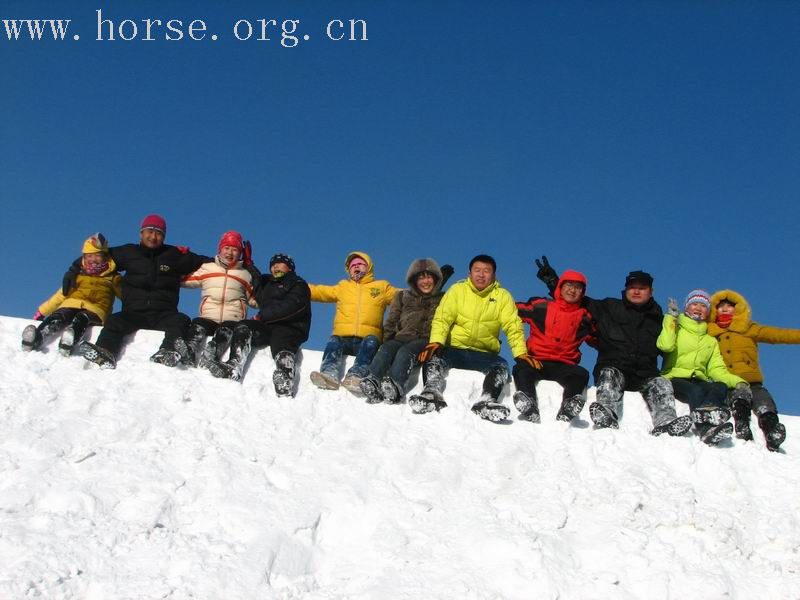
pixel 738 337
pixel 465 335
pixel 88 303
pixel 694 365
pixel 360 301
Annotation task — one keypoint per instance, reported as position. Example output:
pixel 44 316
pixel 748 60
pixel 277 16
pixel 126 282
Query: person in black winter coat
pixel 150 287
pixel 627 356
pixel 283 323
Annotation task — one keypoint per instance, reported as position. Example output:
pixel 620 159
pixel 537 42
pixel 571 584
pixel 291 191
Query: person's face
pixel 638 293
pixel 697 310
pixel 481 275
pixel 151 238
pixel 572 291
pixel 94 259
pixel 725 308
pixel 230 254
pixel 425 283
pixel 357 268
pixel 279 269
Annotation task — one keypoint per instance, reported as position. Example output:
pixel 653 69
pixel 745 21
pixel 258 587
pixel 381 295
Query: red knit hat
pixel 154 222
pixel 230 238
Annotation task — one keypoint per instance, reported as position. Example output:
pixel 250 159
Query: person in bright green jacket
pixel 465 335
pixel 694 365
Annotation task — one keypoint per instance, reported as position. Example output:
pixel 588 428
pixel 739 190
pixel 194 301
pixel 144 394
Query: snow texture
pixel 151 482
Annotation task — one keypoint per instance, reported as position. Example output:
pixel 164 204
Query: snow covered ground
pixel 150 482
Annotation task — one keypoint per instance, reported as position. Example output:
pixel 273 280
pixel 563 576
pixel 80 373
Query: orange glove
pixel 529 360
pixel 428 352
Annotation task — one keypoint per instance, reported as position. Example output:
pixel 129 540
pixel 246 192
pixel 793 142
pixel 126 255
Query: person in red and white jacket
pixel 557 329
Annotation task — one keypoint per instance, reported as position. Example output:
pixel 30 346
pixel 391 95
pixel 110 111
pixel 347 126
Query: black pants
pixel 277 336
pixel 697 393
pixel 173 324
pixel 572 378
pixel 212 326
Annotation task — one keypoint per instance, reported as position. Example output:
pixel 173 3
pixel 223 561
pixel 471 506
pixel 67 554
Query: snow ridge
pixel 150 482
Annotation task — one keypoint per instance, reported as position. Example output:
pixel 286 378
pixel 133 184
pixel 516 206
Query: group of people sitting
pixel 708 345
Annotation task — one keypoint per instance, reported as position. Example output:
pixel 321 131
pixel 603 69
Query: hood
pixel 370 267
pixel 742 315
pixel 569 275
pixel 420 265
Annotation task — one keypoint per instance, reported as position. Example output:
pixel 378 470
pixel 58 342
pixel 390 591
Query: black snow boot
pixel 283 377
pixel 602 416
pixel 216 347
pixel 676 427
pixel 97 355
pixel 391 392
pixel 527 406
pixel 194 340
pixel 371 388
pixel 241 345
pixel 741 418
pixel 33 337
pixel 570 408
pixel 73 334
pixel 774 430
pixel 165 356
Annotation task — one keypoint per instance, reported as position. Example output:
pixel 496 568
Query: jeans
pixel 397 359
pixel 338 346
pixel 698 393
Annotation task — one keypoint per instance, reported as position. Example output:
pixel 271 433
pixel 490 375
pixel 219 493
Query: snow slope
pixel 149 482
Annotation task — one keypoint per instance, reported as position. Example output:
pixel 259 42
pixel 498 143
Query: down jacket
pixel 226 291
pixel 557 327
pixel 94 293
pixel 359 305
pixel 471 320
pixel 285 300
pixel 691 352
pixel 411 312
pixel 738 343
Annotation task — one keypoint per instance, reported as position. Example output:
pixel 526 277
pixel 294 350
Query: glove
pixel 70 279
pixel 447 273
pixel 254 272
pixel 183 249
pixel 38 316
pixel 527 359
pixel 672 308
pixel 546 273
pixel 741 391
pixel 247 255
pixel 428 352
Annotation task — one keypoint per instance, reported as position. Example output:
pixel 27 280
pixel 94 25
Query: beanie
pixel 156 222
pixel 95 243
pixel 230 238
pixel 640 277
pixel 282 258
pixel 698 297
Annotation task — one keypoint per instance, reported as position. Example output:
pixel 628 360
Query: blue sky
pixel 610 136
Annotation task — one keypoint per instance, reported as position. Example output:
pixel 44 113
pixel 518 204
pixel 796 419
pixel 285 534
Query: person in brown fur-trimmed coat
pixel 405 332
pixel 731 322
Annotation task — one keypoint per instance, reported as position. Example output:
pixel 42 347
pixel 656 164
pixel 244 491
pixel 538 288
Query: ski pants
pixel 657 393
pixel 173 324
pixel 573 378
pixel 338 346
pixel 396 359
pixel 493 366
pixel 698 393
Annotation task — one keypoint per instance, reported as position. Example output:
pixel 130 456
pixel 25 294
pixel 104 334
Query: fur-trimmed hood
pixel 420 265
pixel 742 314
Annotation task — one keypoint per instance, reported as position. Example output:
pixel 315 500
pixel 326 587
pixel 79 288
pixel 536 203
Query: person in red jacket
pixel 557 329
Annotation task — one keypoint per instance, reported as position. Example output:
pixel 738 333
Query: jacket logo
pixel 374 292
pixel 163 268
pixel 492 300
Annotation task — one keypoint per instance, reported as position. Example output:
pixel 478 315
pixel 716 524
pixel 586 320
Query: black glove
pixel 447 273
pixel 546 273
pixel 70 279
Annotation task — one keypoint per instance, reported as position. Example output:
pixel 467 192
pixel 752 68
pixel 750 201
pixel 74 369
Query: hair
pixel 484 258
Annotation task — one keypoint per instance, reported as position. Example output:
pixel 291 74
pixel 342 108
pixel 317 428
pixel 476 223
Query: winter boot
pixel 602 416
pixel 33 337
pixel 73 334
pixel 710 415
pixel 570 408
pixel 676 427
pixel 371 389
pixel 166 357
pixel 186 356
pixel 714 434
pixel 528 407
pixel 774 430
pixel 489 409
pixel 283 377
pixel 324 381
pixel 97 355
pixel 194 340
pixel 241 345
pixel 428 400
pixel 391 392
pixel 215 347
pixel 352 383
pixel 741 419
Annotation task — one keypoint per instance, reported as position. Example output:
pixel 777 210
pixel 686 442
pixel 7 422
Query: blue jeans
pixel 397 359
pixel 339 346
pixel 698 393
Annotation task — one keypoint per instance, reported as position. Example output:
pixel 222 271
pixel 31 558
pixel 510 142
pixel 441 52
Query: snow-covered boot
pixel 489 409
pixel 391 392
pixel 194 340
pixel 371 389
pixel 166 357
pixel 676 427
pixel 774 430
pixel 241 345
pixel 97 355
pixel 710 415
pixel 527 406
pixel 283 377
pixel 216 347
pixel 352 383
pixel 714 434
pixel 324 381
pixel 33 337
pixel 602 416
pixel 741 419
pixel 428 400
pixel 73 334
pixel 570 408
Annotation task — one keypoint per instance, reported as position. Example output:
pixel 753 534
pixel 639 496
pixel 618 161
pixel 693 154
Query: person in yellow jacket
pixel 465 335
pixel 694 365
pixel 88 303
pixel 360 301
pixel 738 336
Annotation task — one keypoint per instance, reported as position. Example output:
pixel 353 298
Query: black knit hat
pixel 640 277
pixel 282 258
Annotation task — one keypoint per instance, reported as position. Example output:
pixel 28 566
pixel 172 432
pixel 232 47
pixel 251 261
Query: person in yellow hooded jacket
pixel 88 303
pixel 361 301
pixel 465 335
pixel 738 336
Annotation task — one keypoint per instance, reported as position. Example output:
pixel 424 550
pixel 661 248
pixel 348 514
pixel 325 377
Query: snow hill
pixel 150 482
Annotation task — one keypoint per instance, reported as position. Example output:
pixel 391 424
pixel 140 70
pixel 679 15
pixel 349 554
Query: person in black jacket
pixel 627 356
pixel 283 323
pixel 150 285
